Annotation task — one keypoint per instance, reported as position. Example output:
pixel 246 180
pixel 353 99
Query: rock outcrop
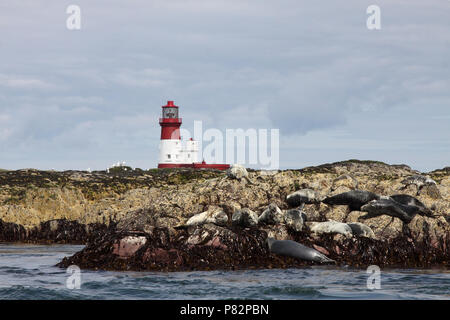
pixel 206 219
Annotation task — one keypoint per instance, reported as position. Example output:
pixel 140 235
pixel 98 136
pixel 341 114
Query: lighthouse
pixel 173 152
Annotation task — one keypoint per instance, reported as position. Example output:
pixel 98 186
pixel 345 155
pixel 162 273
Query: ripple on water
pixel 28 272
pixel 293 292
pixel 38 293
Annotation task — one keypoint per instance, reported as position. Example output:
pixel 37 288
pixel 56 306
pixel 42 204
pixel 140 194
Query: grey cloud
pixel 311 70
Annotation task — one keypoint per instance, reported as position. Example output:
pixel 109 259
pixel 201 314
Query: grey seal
pixel 331 227
pixel 361 230
pixel 244 218
pixel 217 216
pixel 418 180
pixel 272 215
pixel 391 208
pixel 301 197
pixel 411 201
pixel 294 219
pixel 355 199
pixel 296 250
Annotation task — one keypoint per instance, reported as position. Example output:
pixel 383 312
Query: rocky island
pixel 355 213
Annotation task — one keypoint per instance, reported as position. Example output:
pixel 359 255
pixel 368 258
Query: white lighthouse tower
pixel 174 153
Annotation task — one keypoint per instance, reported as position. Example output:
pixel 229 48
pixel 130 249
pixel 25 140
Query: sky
pixel 88 98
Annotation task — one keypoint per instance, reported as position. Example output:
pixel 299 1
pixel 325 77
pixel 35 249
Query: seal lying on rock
pixel 245 218
pixel 272 215
pixel 411 201
pixel 360 229
pixel 418 180
pixel 294 219
pixel 217 217
pixel 296 250
pixel 391 208
pixel 237 171
pixel 355 199
pixel 302 196
pixel 331 227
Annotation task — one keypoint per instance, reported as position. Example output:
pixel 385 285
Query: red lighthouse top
pixel 170 113
pixel 170 123
pixel 170 104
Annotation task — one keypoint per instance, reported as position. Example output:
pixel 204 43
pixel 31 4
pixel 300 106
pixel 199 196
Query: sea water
pixel 29 272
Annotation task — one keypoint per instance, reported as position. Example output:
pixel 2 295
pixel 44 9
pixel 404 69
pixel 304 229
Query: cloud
pixel 24 82
pixel 313 71
pixel 142 78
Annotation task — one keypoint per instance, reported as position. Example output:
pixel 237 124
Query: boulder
pixel 128 246
pixel 431 191
pixel 433 228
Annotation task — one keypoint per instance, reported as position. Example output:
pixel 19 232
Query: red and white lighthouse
pixel 174 153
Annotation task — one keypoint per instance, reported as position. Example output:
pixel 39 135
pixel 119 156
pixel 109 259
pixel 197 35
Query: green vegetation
pixel 14 185
pixel 121 169
pixel 329 167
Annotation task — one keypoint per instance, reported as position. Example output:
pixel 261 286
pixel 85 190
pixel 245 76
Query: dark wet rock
pixel 138 220
pixel 127 246
pixel 53 231
pixel 221 249
pixel 236 248
pixel 11 232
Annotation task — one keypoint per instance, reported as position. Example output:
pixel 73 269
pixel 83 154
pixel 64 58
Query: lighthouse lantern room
pixel 173 152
